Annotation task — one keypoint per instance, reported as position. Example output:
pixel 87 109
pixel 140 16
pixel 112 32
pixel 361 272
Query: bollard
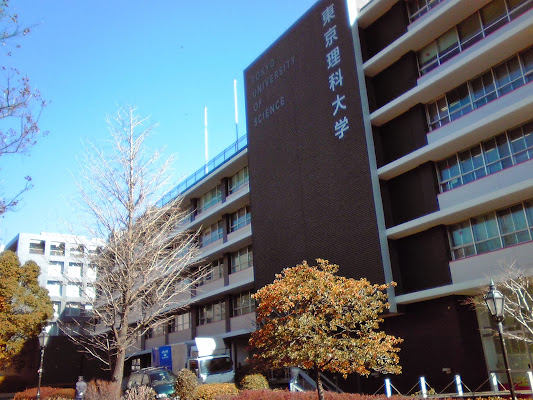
pixel 494 382
pixel 423 387
pixel 388 390
pixel 459 385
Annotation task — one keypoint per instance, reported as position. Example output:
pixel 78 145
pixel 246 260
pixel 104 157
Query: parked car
pixel 160 379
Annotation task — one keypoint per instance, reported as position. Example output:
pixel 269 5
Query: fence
pixel 423 389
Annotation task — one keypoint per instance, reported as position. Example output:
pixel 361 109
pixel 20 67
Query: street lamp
pixel 43 341
pixel 495 302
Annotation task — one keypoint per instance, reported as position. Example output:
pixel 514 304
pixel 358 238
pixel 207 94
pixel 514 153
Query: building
pixel 400 148
pixel 450 108
pixel 66 271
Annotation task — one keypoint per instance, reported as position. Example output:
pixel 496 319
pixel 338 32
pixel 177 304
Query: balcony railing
pixel 206 170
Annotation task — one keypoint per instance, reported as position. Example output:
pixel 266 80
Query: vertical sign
pixel 310 188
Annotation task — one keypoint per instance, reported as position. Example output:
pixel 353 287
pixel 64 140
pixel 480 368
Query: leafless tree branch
pixel 143 271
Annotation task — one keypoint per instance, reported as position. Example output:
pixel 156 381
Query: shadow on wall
pixel 63 363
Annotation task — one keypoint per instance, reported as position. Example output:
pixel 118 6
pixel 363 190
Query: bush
pixel 100 390
pixel 254 382
pixel 46 393
pixel 139 393
pixel 186 384
pixel 211 391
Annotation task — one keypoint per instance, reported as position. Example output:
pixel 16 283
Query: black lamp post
pixel 495 301
pixel 43 341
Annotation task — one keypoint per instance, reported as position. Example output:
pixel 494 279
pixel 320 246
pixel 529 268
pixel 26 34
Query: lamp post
pixel 43 341
pixel 495 302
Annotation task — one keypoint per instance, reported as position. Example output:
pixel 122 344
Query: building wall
pixel 410 150
pixel 320 181
pixel 74 275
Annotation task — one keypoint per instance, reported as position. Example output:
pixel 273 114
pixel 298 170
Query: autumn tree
pixel 313 319
pixel 24 306
pixel 20 104
pixel 142 271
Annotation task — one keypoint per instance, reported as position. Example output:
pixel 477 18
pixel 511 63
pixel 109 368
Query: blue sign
pixel 165 357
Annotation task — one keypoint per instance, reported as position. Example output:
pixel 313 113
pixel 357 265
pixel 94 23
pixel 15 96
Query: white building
pixel 65 270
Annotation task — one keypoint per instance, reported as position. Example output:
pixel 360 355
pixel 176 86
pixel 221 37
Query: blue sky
pixel 169 58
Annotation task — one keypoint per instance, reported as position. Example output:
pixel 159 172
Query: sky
pixel 168 58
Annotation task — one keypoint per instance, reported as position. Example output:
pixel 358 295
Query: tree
pixel 24 306
pixel 311 318
pixel 517 286
pixel 20 105
pixel 143 270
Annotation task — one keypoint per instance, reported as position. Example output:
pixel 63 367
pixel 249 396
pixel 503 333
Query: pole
pixel 40 371
pixel 388 390
pixel 506 361
pixel 205 136
pixel 459 385
pixel 236 111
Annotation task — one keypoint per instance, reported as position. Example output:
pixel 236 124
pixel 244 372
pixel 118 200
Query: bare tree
pixel 517 286
pixel 142 271
pixel 20 105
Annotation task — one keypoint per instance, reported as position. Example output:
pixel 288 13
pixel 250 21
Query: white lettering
pixel 269 111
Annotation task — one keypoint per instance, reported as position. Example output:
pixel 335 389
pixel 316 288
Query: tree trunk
pixel 319 387
pixel 118 372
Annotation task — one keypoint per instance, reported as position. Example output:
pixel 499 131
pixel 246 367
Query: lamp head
pixel 43 338
pixel 495 302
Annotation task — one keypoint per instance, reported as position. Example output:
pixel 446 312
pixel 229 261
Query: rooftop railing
pixel 215 163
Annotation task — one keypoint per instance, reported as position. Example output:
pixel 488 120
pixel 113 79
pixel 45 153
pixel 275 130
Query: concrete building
pixel 450 108
pixel 65 271
pixel 400 148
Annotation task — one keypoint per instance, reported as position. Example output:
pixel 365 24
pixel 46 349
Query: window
pixel 513 225
pixel 238 180
pixel 73 290
pixel 54 288
pixel 474 28
pixel 77 250
pixel 72 309
pixel 180 322
pixel 71 328
pixel 57 249
pixel 209 199
pixel 94 251
pixel 214 271
pixel 37 247
pixel 90 292
pixel 242 259
pixel 211 234
pixel 240 218
pixel 493 155
pixel 74 270
pixel 417 8
pixel 211 312
pixel 243 303
pixel 55 268
pixel 497 81
pixel 492 231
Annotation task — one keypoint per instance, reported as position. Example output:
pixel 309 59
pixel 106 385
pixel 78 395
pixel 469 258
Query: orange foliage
pixel 311 318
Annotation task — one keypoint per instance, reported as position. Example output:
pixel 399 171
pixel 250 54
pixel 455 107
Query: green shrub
pixel 46 393
pixel 210 391
pixel 254 382
pixel 186 384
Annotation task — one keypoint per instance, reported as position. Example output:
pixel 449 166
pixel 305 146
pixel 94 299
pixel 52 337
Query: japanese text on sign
pixel 335 78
